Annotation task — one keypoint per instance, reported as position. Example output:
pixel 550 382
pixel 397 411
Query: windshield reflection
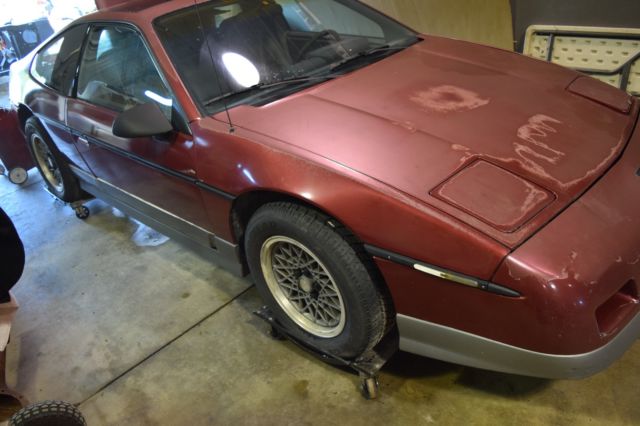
pixel 241 69
pixel 223 48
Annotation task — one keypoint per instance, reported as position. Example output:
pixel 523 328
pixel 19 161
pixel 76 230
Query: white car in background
pixel 64 12
pixel 59 12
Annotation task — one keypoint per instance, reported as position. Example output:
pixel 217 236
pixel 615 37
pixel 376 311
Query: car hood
pixel 499 141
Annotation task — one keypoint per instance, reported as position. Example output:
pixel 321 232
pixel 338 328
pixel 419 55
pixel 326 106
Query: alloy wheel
pixel 303 286
pixel 47 164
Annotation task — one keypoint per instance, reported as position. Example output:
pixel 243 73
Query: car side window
pixel 117 72
pixel 55 65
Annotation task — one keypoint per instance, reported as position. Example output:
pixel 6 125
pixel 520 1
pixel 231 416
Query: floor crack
pixel 164 346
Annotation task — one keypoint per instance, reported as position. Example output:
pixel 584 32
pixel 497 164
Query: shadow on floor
pixel 405 366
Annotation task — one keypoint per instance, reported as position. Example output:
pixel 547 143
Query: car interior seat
pixel 259 33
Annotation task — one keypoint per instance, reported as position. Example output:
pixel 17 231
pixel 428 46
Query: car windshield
pixel 247 51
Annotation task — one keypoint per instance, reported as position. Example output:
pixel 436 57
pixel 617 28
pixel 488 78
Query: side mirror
pixel 141 121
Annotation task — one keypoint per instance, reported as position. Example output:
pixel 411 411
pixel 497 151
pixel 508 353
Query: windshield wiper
pixel 372 52
pixel 264 86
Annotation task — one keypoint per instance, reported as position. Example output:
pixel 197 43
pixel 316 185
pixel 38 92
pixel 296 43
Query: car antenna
pixel 232 129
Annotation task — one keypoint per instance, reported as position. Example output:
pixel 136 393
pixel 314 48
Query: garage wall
pixel 598 13
pixel 482 21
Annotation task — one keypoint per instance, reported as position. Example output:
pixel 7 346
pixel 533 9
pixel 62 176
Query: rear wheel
pixel 316 279
pixel 53 166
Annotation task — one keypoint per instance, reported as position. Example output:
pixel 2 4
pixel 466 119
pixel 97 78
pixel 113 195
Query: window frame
pixel 178 118
pixel 50 43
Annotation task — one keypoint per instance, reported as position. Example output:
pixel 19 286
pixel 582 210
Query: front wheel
pixel 317 280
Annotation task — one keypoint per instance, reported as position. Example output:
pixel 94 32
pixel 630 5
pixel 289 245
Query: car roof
pixel 137 10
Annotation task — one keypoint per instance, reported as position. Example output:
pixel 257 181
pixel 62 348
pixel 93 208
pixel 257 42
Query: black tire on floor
pixel 48 413
pixel 69 190
pixel 367 305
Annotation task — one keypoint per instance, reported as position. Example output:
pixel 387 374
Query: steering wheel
pixel 314 39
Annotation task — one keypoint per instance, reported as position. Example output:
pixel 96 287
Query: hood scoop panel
pixel 496 196
pixel 602 93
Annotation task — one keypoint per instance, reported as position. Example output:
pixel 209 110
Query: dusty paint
pixel 532 149
pixel 535 196
pixel 408 125
pixel 460 148
pixel 513 275
pixel 445 99
pixel 538 128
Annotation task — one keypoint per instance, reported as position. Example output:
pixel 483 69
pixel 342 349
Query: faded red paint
pixel 494 195
pixel 373 147
pixel 447 99
pixel 582 259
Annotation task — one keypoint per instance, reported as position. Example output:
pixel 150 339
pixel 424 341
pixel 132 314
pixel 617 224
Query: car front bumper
pixel 579 285
pixel 448 344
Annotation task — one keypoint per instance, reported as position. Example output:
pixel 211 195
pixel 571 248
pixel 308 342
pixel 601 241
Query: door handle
pixel 83 141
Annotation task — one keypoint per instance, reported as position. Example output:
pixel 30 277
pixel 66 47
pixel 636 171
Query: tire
pixel 317 280
pixel 48 413
pixel 53 166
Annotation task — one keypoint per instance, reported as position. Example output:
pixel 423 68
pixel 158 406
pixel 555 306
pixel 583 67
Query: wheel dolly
pixel 82 212
pixel 367 366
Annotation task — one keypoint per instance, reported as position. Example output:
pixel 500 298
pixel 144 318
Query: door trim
pixel 205 243
pixel 123 153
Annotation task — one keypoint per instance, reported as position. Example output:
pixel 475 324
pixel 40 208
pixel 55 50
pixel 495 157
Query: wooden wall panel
pixel 481 21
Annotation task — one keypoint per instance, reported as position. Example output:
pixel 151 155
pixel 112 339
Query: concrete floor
pixel 138 330
pixel 156 335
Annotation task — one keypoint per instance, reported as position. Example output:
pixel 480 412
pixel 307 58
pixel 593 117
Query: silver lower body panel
pixel 459 347
pixel 206 244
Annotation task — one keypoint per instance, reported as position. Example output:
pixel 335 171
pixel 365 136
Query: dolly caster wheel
pixel 82 212
pixel 369 388
pixel 18 176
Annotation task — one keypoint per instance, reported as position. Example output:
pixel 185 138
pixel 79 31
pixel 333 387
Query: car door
pixel 156 175
pixel 53 70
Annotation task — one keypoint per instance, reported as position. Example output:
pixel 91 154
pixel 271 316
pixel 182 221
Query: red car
pixel 371 179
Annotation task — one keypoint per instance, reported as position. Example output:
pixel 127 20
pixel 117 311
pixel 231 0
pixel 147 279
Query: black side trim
pixel 54 123
pixel 141 160
pixel 442 273
pixel 203 242
pixel 158 167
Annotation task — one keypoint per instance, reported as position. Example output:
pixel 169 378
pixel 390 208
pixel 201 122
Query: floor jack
pixel 367 366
